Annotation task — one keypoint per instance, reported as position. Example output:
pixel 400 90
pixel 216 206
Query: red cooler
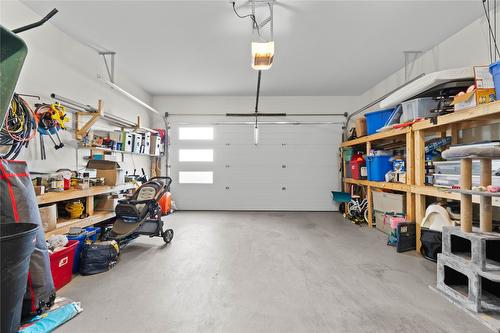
pixel 358 166
pixel 61 264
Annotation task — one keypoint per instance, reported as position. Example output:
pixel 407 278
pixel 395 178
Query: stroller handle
pixel 168 180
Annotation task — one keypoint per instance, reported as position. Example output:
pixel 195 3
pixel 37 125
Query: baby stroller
pixel 141 214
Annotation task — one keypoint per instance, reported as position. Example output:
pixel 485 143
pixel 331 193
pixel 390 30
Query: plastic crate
pixel 418 108
pixel 61 263
pixel 376 120
pixel 90 233
pixel 377 167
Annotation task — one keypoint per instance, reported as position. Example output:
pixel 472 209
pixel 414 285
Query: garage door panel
pixel 292 168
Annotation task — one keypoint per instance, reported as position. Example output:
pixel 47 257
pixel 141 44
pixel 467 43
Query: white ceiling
pixel 202 48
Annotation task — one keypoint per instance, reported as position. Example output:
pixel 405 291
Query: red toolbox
pixel 61 264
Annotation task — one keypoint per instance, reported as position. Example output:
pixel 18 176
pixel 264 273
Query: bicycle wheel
pixel 365 215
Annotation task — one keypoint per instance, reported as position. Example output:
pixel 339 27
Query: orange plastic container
pixel 166 203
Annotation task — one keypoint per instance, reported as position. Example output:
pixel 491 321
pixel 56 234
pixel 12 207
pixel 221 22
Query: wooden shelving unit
pixel 109 150
pixel 64 224
pixel 414 140
pixel 402 135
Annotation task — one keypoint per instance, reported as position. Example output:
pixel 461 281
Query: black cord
pixel 252 17
pixel 490 28
pixel 18 128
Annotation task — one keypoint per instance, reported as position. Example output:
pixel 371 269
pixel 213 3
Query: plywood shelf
pixel 489 112
pixel 378 136
pixel 381 185
pixel 102 149
pixel 63 225
pixel 71 194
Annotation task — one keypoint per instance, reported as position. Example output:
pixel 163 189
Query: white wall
pixel 57 63
pixel 468 47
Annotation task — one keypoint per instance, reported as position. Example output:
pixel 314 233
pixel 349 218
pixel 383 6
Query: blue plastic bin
pixel 377 119
pixel 495 72
pixel 377 167
pixel 92 234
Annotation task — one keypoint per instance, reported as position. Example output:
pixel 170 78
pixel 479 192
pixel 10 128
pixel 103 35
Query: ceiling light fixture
pixel 262 48
pixel 262 55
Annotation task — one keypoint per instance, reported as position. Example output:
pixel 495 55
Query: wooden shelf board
pixel 63 225
pixel 483 111
pixel 377 136
pixel 52 197
pixel 102 149
pixel 382 185
pixel 437 192
pixel 470 192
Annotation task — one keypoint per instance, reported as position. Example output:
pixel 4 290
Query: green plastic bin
pixel 13 51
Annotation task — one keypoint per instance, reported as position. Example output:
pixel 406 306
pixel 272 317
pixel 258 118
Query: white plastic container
pixel 418 108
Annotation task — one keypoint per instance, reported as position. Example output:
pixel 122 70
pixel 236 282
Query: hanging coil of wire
pixel 19 127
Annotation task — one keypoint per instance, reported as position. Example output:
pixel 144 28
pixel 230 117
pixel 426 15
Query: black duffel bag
pixel 98 257
pixel 431 243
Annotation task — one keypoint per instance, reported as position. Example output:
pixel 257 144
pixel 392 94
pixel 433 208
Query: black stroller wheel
pixel 168 235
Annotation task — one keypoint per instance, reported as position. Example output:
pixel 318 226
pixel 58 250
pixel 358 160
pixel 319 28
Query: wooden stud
pixel 369 199
pixel 410 174
pixel 89 206
pixel 466 199
pixel 419 179
pixel 94 117
pixel 485 208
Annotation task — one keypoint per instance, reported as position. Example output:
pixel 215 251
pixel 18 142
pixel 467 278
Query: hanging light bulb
pixel 262 55
pixel 256 135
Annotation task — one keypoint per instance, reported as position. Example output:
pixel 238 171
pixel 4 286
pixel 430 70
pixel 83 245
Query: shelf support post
pixel 485 208
pixel 466 199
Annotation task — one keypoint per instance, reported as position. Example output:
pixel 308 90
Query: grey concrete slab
pixel 265 272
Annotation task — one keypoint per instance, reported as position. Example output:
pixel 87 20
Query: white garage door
pixel 293 167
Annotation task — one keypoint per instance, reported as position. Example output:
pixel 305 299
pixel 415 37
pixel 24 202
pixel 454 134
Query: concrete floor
pixel 265 272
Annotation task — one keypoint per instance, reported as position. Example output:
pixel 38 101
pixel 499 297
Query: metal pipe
pixel 119 121
pixel 245 123
pixel 127 94
pixel 345 114
pixel 73 103
pixel 36 24
pixel 258 93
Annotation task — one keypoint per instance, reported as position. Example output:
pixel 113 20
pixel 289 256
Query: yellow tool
pixel 59 114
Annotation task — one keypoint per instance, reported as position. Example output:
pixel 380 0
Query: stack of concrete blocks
pixel 468 269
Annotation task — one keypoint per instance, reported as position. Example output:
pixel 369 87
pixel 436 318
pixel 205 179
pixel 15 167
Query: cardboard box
pixel 155 145
pixel 111 171
pixel 48 215
pixel 360 126
pixel 385 202
pixel 107 202
pixel 483 93
pixel 382 223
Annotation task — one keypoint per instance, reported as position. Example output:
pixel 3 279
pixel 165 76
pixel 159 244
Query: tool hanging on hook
pixel 51 119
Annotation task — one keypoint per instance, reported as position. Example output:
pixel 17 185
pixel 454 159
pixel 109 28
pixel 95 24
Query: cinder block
pixel 458 281
pixel 478 249
pixel 490 291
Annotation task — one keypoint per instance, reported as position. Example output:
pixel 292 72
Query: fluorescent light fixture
pixel 262 55
pixel 127 94
pixel 256 135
